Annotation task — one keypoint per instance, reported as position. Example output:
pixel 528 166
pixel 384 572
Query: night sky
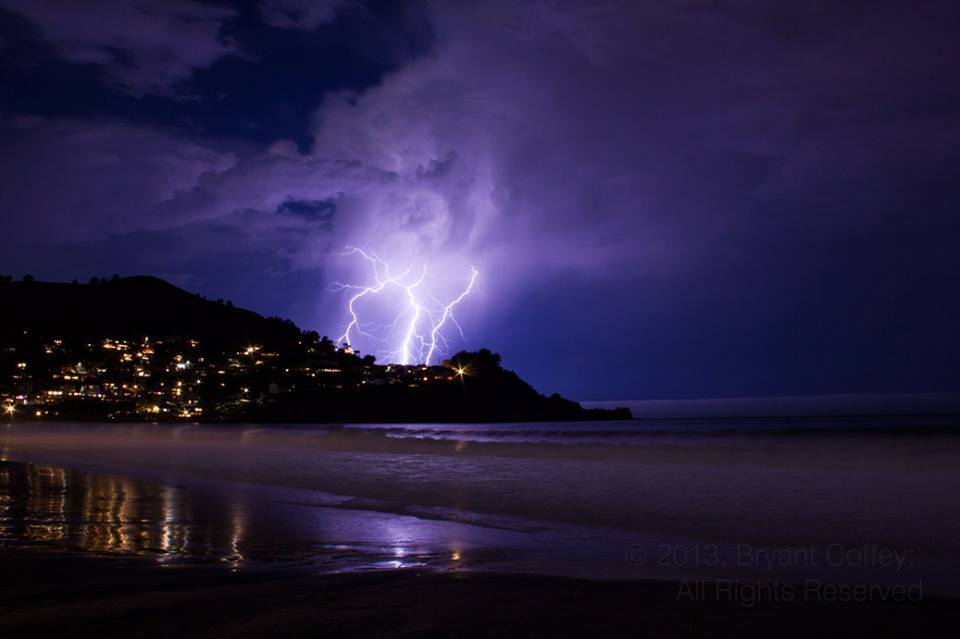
pixel 680 198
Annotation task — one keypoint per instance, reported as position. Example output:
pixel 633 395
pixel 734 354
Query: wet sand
pixel 45 594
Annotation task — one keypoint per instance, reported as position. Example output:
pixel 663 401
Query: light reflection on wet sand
pixel 47 506
pixel 97 513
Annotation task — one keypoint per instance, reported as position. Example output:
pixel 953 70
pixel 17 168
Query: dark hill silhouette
pixel 305 378
pixel 133 307
pixel 486 392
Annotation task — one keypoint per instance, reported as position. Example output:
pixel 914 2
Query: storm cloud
pixel 142 46
pixel 713 196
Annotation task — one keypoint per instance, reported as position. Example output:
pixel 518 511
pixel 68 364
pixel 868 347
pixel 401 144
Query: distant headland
pixel 141 349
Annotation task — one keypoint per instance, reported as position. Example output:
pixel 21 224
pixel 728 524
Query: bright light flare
pixel 415 334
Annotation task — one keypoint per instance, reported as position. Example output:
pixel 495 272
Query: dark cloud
pixel 143 46
pixel 83 179
pixel 301 14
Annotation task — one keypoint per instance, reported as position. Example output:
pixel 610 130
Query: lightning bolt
pixel 418 326
pixel 415 311
pixel 448 315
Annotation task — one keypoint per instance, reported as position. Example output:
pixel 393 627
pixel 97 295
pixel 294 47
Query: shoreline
pixel 858 421
pixel 239 577
pixel 153 489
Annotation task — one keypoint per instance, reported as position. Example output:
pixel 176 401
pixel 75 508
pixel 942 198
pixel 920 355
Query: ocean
pixel 848 499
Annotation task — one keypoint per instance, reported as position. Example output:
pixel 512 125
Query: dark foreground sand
pixel 47 594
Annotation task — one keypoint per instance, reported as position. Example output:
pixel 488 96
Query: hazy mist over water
pixel 894 404
pixel 610 499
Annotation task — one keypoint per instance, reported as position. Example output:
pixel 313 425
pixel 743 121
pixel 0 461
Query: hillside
pixel 132 307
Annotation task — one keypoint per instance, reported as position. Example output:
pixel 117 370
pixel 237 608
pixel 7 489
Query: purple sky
pixel 693 198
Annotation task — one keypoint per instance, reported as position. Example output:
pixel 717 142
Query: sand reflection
pixel 46 505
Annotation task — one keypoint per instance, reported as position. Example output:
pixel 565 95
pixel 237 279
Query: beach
pixel 541 529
